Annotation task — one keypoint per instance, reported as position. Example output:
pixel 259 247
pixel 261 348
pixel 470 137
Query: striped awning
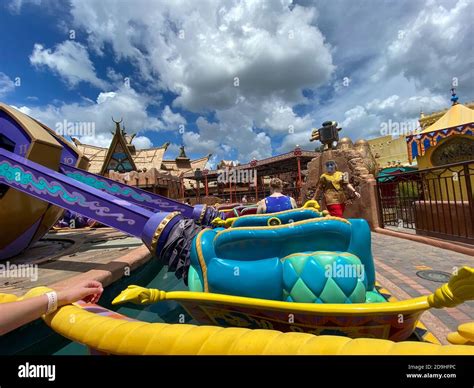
pixel 417 144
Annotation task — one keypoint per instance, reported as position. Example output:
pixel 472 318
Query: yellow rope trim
pixel 272 221
pixel 201 216
pixel 291 225
pixel 202 262
pixel 414 305
pixel 277 214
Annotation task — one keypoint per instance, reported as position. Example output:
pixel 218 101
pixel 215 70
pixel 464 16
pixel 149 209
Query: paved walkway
pixel 398 260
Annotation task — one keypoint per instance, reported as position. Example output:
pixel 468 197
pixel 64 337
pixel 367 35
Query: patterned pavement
pixel 398 260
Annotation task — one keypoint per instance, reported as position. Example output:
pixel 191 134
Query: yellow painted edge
pixel 292 225
pixel 414 305
pixel 160 228
pixel 202 262
pixel 282 212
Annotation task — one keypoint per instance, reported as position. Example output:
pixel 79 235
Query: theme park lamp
pixel 198 177
pixel 328 134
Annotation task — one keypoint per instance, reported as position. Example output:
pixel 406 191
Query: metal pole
pixel 181 181
pixel 256 185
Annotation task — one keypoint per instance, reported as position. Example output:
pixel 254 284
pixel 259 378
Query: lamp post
pixel 198 177
pixel 206 188
pixel 253 164
pixel 181 181
pixel 297 152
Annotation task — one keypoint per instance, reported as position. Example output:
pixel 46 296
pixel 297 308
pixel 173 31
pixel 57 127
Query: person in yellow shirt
pixel 332 184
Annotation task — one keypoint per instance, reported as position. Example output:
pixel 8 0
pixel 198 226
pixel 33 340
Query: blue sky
pixel 238 79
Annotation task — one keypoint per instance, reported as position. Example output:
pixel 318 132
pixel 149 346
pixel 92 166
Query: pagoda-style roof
pixel 96 155
pixel 458 120
pixel 150 157
pixel 143 159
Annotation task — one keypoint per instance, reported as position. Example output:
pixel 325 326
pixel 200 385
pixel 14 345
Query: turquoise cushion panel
pixel 361 246
pixel 323 277
pixel 207 246
pixel 257 279
pixel 280 241
pixel 194 281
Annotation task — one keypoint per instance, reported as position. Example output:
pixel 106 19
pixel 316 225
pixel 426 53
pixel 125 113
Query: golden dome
pixel 361 142
pixel 345 143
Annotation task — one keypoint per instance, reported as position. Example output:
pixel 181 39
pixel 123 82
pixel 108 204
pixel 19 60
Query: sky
pixel 241 80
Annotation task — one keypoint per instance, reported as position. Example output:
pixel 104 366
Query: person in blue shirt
pixel 277 201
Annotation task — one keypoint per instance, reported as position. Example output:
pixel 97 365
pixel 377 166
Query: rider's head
pixel 276 185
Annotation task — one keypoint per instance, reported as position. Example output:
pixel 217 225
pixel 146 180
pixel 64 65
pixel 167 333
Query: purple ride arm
pixel 134 195
pixel 36 180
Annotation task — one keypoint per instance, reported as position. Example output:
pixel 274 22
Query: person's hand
pixel 357 195
pixel 89 291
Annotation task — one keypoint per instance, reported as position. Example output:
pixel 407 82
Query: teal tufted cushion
pixel 323 277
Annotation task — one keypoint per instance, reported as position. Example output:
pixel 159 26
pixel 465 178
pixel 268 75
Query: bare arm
pixel 16 314
pixel 261 207
pixel 351 188
pixel 294 205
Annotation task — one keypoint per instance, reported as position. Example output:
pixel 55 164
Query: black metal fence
pixel 437 202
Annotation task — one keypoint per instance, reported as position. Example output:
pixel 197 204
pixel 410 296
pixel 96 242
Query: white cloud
pixel 99 140
pixel 235 130
pixel 6 84
pixel 16 5
pixel 172 119
pixel 104 96
pixel 142 142
pixel 400 58
pixel 196 143
pixel 437 47
pixel 123 103
pixel 70 60
pixel 23 109
pixel 284 119
pixel 367 120
pixel 241 60
pixel 198 48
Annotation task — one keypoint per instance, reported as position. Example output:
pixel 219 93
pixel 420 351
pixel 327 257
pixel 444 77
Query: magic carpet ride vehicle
pixel 298 270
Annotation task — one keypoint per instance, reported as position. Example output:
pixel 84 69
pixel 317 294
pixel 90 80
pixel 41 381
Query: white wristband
pixel 52 302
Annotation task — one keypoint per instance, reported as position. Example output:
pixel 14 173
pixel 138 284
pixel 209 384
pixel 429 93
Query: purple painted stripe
pixel 137 196
pixel 53 187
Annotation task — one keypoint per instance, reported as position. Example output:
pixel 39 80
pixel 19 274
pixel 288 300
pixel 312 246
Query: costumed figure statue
pixel 332 184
